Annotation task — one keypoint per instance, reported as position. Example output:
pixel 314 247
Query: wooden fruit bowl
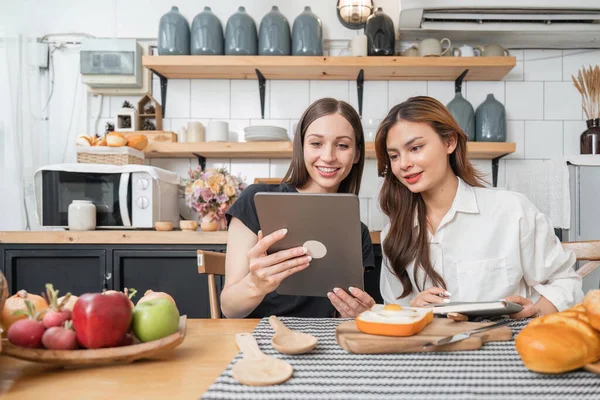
pixel 119 355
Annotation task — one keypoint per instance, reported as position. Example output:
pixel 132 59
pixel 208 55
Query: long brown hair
pixel 297 175
pixel 403 245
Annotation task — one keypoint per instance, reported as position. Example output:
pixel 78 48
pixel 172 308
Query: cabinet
pixel 85 268
pixel 70 270
pixel 171 271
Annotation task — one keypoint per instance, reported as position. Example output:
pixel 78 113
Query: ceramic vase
pixel 207 34
pixel 173 34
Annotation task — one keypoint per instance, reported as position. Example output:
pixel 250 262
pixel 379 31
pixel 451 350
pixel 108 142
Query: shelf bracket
pixel 163 91
pixel 458 82
pixel 495 164
pixel 262 84
pixel 201 161
pixel 360 81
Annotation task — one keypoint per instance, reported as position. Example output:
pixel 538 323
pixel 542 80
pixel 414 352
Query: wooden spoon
pixel 287 341
pixel 257 368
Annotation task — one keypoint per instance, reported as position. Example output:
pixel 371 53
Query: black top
pixel 274 303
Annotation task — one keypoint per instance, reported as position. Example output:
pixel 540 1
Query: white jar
pixel 82 215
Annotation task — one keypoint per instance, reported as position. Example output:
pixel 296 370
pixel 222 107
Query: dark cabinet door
pixel 75 271
pixel 171 271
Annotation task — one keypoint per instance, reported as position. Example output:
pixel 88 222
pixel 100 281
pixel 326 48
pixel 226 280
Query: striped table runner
pixel 329 372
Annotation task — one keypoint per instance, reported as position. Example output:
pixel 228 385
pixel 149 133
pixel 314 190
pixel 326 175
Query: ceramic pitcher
pixel 173 34
pixel 207 34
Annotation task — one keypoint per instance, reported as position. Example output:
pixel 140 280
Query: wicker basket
pixel 109 155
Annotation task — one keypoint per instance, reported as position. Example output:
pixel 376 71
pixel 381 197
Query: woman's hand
pixel 433 295
pixel 267 271
pixel 349 306
pixel 529 309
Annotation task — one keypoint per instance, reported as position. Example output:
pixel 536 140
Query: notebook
pixel 478 309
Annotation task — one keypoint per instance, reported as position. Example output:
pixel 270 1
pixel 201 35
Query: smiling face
pixel 330 151
pixel 418 155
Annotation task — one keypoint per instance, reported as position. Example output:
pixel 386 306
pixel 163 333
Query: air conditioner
pixel 512 23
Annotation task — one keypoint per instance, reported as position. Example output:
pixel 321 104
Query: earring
pixel 385 171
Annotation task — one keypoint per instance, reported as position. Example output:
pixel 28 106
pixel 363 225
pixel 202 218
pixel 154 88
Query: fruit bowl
pixel 119 355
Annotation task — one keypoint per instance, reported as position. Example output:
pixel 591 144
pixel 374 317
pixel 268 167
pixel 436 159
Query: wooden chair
pixel 213 263
pixel 585 251
pixel 273 181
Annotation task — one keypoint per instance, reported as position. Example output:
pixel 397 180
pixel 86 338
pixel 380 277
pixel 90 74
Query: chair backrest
pixel 273 181
pixel 212 263
pixel 585 251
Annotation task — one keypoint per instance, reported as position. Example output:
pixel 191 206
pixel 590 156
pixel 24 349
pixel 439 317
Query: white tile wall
pixel 561 101
pixel 336 89
pixel 543 139
pixel 289 99
pixel 543 65
pixel 544 116
pixel 525 100
pixel 210 98
pixel 399 91
pixel 571 132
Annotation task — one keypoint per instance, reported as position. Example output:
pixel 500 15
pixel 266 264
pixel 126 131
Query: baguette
pixel 562 341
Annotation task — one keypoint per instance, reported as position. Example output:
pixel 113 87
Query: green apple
pixel 155 319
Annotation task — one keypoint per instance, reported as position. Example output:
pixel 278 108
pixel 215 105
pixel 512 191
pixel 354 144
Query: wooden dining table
pixel 183 373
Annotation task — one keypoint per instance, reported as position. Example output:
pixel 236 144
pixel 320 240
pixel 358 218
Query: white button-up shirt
pixel 492 244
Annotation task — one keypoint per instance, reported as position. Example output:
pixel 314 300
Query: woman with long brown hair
pixel 451 239
pixel 328 157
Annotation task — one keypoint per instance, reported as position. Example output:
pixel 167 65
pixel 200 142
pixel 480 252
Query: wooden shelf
pixel 330 68
pixel 476 150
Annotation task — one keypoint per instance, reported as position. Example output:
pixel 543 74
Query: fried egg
pixel 394 320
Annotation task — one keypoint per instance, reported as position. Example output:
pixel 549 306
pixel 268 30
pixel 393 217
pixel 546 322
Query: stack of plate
pixel 265 134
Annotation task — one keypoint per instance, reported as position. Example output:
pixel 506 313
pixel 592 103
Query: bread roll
pixel 559 342
pixel 591 303
pixel 116 139
pixel 137 142
pixel 84 140
pixel 100 142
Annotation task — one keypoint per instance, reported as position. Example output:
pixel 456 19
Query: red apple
pixel 101 320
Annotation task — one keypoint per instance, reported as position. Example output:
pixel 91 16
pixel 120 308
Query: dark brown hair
pixel 403 245
pixel 297 175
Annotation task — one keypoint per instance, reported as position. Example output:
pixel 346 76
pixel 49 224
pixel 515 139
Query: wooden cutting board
pixel 354 341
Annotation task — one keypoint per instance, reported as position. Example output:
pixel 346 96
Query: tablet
pixel 328 225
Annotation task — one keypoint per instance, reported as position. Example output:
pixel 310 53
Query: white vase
pixel 82 215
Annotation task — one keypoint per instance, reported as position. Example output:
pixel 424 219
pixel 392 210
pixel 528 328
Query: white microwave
pixel 128 196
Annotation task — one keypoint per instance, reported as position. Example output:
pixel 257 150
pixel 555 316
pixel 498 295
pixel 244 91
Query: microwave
pixel 128 196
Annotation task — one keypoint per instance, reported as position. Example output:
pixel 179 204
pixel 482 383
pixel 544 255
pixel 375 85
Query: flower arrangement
pixel 211 192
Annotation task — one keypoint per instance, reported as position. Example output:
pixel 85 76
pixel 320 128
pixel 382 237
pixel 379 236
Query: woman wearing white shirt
pixel 451 238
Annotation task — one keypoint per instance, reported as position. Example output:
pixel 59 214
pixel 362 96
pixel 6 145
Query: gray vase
pixel 463 113
pixel 207 34
pixel 274 38
pixel 490 121
pixel 240 35
pixel 307 34
pixel 173 34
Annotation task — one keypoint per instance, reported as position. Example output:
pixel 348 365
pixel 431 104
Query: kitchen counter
pixel 121 237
